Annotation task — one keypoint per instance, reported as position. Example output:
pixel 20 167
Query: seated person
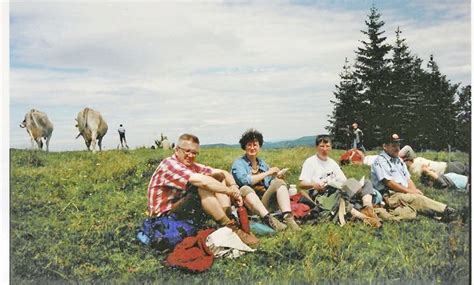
pixel 180 185
pixel 415 163
pixel 369 159
pixel 255 177
pixel 319 170
pixel 354 156
pixel 391 178
pixel 445 181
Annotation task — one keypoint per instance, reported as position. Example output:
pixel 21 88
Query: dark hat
pixel 393 138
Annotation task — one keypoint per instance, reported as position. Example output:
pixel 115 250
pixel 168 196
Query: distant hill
pixel 303 141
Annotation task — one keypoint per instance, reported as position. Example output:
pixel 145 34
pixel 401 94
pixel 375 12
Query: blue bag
pixel 261 229
pixel 165 231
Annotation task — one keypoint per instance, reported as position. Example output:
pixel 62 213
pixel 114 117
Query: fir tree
pixel 372 73
pixel 345 108
pixel 405 90
pixel 462 139
pixel 438 113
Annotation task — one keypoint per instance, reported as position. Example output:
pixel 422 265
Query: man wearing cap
pixel 358 134
pixel 391 178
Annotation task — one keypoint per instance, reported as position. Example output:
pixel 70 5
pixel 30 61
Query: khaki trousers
pixel 420 203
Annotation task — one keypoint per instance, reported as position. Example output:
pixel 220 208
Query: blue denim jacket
pixel 242 171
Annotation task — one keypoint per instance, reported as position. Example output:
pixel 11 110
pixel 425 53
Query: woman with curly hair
pixel 253 175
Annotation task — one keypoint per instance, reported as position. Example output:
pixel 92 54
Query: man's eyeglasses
pixel 189 151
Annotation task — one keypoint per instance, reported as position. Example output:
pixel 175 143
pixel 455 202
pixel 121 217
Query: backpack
pixel 167 231
pixel 329 203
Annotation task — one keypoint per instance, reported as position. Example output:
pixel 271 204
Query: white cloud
pixel 212 69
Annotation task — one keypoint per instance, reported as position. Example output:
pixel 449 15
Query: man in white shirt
pixel 121 131
pixel 319 172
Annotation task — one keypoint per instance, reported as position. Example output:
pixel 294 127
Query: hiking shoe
pixel 247 238
pixel 449 215
pixel 373 222
pixel 274 223
pixel 369 212
pixel 291 223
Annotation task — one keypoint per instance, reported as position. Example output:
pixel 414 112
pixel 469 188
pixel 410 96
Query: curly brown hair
pixel 250 135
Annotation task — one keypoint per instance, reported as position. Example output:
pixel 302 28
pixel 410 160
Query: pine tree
pixel 462 139
pixel 438 113
pixel 345 108
pixel 372 73
pixel 404 90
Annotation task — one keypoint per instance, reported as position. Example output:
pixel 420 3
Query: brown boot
pixel 248 238
pixel 274 223
pixel 369 212
pixel 291 223
pixel 373 222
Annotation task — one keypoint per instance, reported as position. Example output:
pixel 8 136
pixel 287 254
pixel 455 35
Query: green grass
pixel 74 217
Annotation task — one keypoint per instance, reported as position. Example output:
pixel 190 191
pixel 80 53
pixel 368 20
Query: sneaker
pixel 291 223
pixel 247 238
pixel 274 223
pixel 373 222
pixel 369 212
pixel 449 215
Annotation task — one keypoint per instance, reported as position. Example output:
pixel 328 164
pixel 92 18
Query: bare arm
pixel 209 183
pixel 425 169
pixel 259 177
pixel 305 185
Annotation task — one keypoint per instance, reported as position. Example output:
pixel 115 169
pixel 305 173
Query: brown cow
pixel 92 127
pixel 39 127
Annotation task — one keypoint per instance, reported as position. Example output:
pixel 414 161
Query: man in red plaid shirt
pixel 179 185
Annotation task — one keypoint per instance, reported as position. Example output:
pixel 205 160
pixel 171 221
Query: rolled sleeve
pixel 240 173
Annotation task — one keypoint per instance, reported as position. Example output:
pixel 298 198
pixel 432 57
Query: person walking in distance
pixel 121 131
pixel 357 137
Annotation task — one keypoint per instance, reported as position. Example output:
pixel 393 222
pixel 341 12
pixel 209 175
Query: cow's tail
pixel 85 114
pixel 33 118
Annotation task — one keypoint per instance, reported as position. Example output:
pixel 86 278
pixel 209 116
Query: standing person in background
pixel 358 134
pixel 121 131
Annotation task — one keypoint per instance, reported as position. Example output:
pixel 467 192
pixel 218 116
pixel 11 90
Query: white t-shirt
pixel 437 166
pixel 316 170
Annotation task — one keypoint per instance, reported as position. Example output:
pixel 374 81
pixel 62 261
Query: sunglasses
pixel 189 151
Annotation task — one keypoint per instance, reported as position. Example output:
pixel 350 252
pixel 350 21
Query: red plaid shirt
pixel 169 183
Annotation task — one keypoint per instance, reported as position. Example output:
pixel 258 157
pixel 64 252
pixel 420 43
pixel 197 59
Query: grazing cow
pixel 91 127
pixel 39 127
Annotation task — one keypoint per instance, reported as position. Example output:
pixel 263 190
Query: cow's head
pixel 23 124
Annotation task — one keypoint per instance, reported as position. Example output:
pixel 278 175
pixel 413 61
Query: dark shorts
pixel 443 182
pixel 188 207
pixel 457 167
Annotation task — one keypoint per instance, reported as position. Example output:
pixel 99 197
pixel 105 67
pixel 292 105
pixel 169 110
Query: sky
pixel 212 69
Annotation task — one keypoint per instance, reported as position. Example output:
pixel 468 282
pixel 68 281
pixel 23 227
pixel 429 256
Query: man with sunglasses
pixel 181 186
pixel 391 178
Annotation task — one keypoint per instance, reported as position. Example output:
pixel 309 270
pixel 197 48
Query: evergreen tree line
pixel 397 95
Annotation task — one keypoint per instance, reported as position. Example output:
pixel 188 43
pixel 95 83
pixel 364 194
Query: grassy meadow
pixel 75 215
